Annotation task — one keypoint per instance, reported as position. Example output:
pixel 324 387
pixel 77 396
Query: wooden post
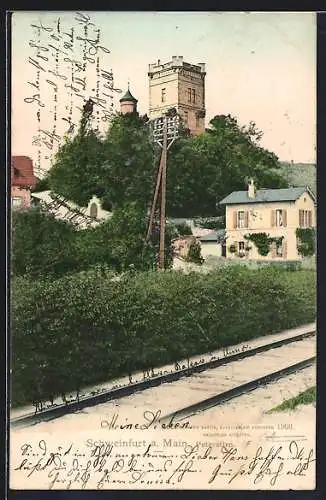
pixel 163 198
pixel 158 183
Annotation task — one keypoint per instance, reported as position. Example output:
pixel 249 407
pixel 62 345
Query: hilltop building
pixel 128 103
pixel 180 85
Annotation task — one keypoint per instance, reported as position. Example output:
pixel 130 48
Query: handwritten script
pixel 159 464
pixel 67 65
pixel 185 367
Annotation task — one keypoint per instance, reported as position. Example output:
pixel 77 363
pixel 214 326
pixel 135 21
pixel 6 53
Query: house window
pixel 186 117
pixel 17 202
pixel 189 95
pixel 193 95
pixel 279 218
pixel 242 219
pixel 93 210
pixel 279 249
pixel 197 121
pixel 305 218
pixel 163 95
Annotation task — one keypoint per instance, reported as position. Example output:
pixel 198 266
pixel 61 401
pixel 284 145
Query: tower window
pixel 191 95
pixel 163 95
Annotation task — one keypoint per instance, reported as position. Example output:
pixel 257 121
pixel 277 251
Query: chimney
pixel 251 189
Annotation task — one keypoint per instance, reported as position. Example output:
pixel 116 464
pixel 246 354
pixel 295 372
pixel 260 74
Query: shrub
pixel 306 241
pixel 41 244
pixel 86 327
pixel 183 229
pixel 194 254
pixel 44 245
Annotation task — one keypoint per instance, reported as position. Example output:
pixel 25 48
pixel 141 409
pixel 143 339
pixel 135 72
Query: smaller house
pixel 269 219
pixel 22 181
pixel 212 244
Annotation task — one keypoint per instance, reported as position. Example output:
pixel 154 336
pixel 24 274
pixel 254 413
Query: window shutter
pixel 309 218
pixel 235 219
pixel 284 217
pixel 246 218
pixel 273 218
pixel 273 250
pixel 284 248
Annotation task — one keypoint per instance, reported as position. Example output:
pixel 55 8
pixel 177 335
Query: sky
pixel 260 67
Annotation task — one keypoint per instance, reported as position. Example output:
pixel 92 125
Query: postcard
pixel 163 273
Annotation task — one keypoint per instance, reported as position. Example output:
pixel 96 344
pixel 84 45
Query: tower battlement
pixel 176 62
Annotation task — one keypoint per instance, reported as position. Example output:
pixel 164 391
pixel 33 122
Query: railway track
pixel 234 392
pixel 217 380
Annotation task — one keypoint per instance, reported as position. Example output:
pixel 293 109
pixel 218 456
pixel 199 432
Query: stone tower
pixel 128 104
pixel 181 85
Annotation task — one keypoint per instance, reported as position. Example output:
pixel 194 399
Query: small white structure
pixel 63 209
pixel 212 243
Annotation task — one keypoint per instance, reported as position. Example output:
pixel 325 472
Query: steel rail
pixel 235 392
pixel 59 410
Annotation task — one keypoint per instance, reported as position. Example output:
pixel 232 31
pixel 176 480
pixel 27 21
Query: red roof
pixel 22 173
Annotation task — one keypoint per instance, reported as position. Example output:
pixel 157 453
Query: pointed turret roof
pixel 128 97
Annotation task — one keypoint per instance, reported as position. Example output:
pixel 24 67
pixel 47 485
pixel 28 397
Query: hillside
pixel 300 174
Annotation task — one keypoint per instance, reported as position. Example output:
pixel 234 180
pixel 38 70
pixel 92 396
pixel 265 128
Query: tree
pixel 204 169
pixel 126 237
pixel 128 173
pixel 41 185
pixel 76 170
pixel 121 167
pixel 41 244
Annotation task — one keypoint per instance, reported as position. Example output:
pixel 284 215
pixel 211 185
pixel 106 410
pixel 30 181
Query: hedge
pixel 85 328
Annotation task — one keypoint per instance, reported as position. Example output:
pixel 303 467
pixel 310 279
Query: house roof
pixel 213 236
pixel 22 172
pixel 266 196
pixel 128 97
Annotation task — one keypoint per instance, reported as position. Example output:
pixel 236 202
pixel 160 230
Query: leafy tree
pixel 204 169
pixel 41 185
pixel 128 173
pixel 41 244
pixel 121 167
pixel 75 173
pixel 126 232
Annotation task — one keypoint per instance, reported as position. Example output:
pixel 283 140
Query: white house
pixel 275 214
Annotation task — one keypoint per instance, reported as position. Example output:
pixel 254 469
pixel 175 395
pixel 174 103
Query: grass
pixel 304 398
